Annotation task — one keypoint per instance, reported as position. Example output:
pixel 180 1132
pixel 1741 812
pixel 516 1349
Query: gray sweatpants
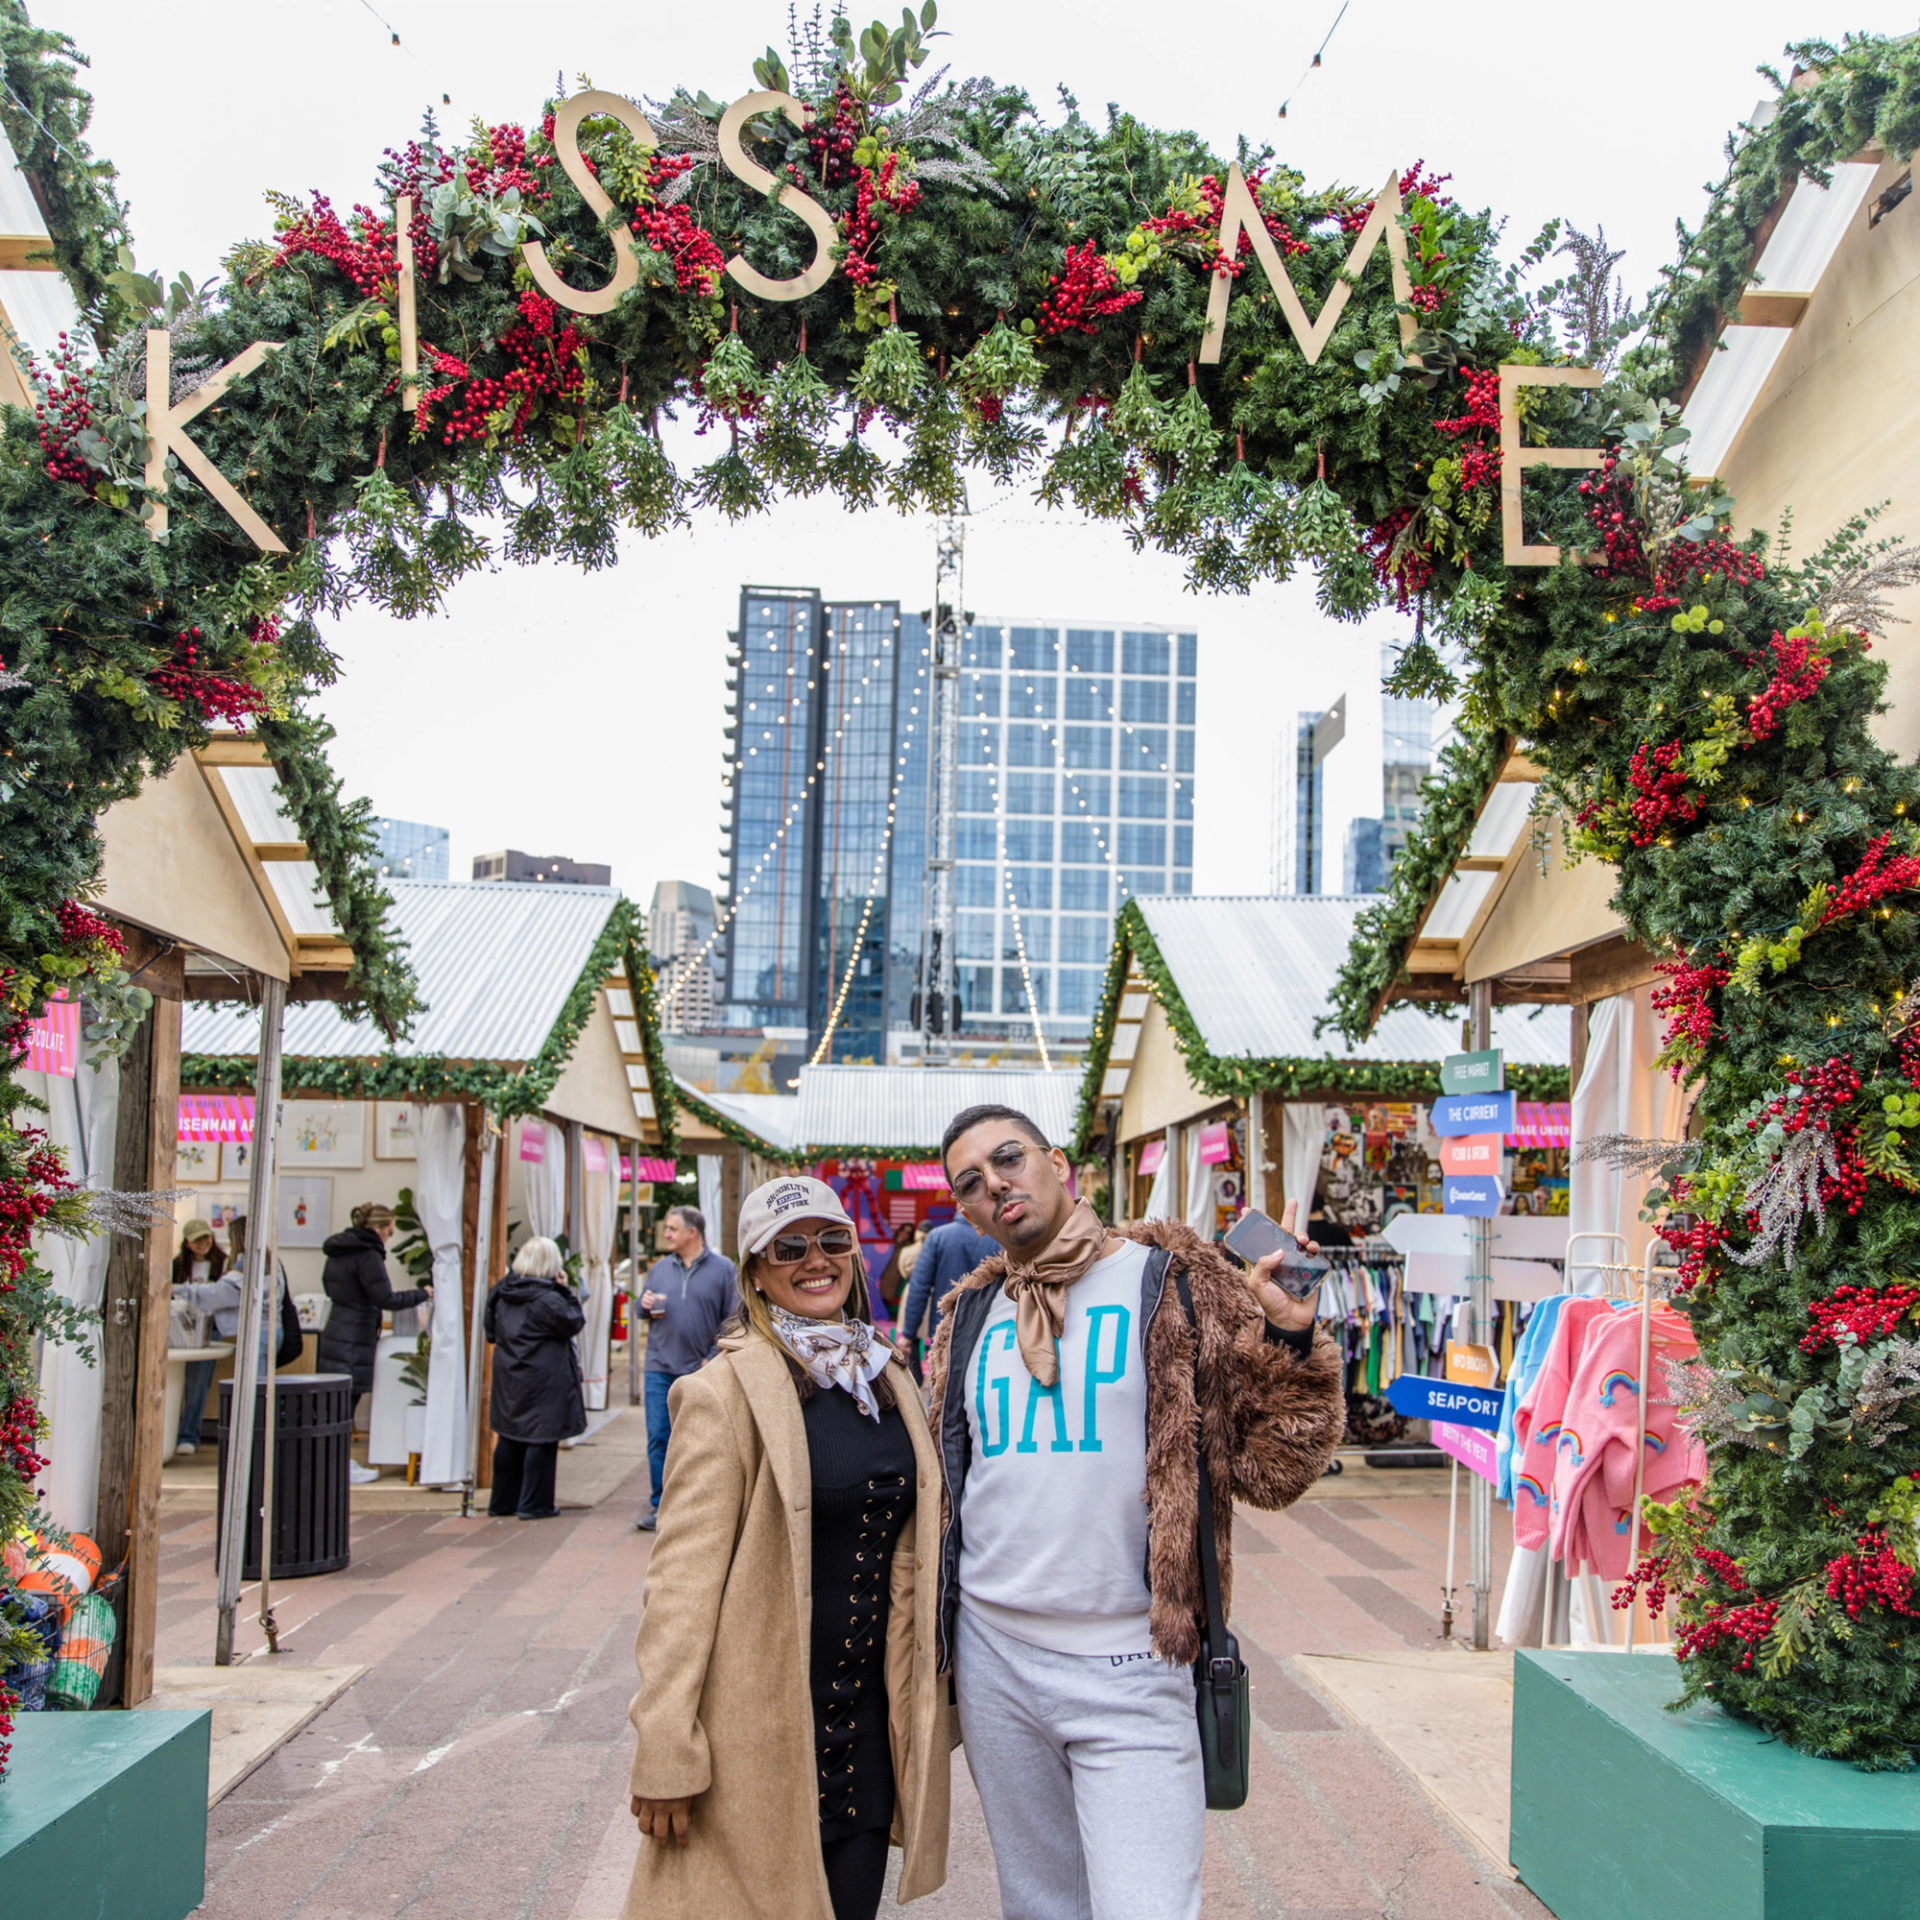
pixel 1089 1773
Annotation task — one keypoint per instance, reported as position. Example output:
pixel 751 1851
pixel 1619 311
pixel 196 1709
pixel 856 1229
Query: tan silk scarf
pixel 1039 1291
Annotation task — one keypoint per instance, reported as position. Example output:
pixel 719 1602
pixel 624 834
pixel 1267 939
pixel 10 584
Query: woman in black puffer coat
pixel 532 1318
pixel 357 1284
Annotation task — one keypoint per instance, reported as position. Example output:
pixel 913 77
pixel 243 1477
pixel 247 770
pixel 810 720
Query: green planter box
pixel 1622 1809
pixel 103 1816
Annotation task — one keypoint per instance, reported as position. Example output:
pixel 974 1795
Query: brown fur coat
pixel 1271 1418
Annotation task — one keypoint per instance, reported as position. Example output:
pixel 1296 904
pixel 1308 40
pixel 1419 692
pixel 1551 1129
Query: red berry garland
pixel 546 368
pixel 1870 881
pixel 1797 674
pixel 1661 798
pixel 1873 1576
pixel 214 696
pixel 1684 999
pixel 1860 1311
pixel 1085 291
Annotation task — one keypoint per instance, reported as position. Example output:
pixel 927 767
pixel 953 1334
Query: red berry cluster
pixel 1483 404
pixel 1685 1000
pixel 1661 799
pixel 264 631
pixel 1695 1245
pixel 65 414
pixel 1478 466
pixel 860 224
pixel 79 927
pixel 1723 1567
pixel 365 254
pixel 1649 1576
pixel 1797 674
pixel 1686 561
pixel 697 260
pixel 1417 184
pixel 1175 224
pixel 1817 1097
pixel 1875 1574
pixel 504 165
pixel 19 1433
pixel 545 367
pixel 1747 1625
pixel 1084 292
pixel 1610 494
pixel 831 141
pixel 26 1197
pixel 212 695
pixel 1860 1311
pixel 1870 881
pixel 1408 574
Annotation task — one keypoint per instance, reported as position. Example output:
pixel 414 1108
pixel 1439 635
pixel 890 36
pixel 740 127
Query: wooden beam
pixel 233 750
pixel 150 1356
pixel 280 850
pixel 1519 768
pixel 1616 965
pixel 1760 308
pixel 27 253
pixel 1480 863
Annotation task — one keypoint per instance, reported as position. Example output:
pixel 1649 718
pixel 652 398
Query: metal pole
pixel 484 1257
pixel 1255 1186
pixel 939 975
pixel 246 1353
pixel 1480 1332
pixel 268 1625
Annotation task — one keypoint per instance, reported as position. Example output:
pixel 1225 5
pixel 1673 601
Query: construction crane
pixel 936 1004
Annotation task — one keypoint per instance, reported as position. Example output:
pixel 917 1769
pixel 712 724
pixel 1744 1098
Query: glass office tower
pixel 1075 789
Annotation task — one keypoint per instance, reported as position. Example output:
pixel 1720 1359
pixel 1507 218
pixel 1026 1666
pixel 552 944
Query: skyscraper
pixel 680 926
pixel 1406 755
pixel 407 850
pixel 1075 788
pixel 1300 827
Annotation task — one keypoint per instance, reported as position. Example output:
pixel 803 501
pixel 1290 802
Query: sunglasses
pixel 1006 1160
pixel 789 1249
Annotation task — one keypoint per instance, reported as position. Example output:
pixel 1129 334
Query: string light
pixel 1315 61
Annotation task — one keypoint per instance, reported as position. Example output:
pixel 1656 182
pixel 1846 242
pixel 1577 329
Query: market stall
pixel 505 1110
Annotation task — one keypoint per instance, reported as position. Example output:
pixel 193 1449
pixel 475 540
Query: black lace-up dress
pixel 863 1495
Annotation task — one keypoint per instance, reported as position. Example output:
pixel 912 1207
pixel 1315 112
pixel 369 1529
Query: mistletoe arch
pixel 973 285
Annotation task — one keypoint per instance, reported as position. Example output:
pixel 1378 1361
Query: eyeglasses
pixel 789 1249
pixel 1006 1160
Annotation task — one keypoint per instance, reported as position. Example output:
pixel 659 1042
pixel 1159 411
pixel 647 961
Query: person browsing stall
pixel 688 1294
pixel 532 1318
pixel 790 1717
pixel 1068 1400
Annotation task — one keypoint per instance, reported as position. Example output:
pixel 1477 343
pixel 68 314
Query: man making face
pixel 1063 1391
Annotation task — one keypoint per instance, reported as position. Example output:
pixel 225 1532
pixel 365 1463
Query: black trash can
pixel 311 1453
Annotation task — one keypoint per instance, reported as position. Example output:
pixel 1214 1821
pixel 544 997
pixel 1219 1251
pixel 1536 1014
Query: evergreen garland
pixel 1701 710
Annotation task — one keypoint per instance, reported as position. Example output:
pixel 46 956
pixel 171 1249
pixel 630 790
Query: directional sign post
pixel 1478 1196
pixel 1472 1113
pixel 1473 1153
pixel 1471 1446
pixel 1483 1072
pixel 1420 1398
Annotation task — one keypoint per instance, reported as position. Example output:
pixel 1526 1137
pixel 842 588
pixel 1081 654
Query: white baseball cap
pixel 780 1203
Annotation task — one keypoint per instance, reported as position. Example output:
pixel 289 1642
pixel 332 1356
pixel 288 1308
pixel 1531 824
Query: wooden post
pixel 473 1282
pixel 134 1318
pixel 497 1251
pixel 726 1230
pixel 576 1186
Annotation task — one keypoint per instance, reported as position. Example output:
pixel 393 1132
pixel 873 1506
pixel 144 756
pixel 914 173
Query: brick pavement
pixel 479 1769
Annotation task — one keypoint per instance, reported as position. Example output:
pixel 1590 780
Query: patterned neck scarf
pixel 835 1353
pixel 1039 1291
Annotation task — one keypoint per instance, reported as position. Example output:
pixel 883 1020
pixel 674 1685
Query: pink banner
pixel 207 1117
pixel 593 1153
pixel 533 1142
pixel 1472 1447
pixel 53 1040
pixel 929 1177
pixel 1216 1144
pixel 1150 1157
pixel 1542 1123
pixel 659 1172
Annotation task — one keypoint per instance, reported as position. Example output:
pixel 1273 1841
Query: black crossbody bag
pixel 1222 1697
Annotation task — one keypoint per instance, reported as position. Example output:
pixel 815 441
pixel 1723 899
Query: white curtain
pixel 81 1116
pixel 1160 1197
pixel 483 1277
pixel 438 1190
pixel 1619 1092
pixel 1199 1185
pixel 600 1197
pixel 547 1182
pixel 1303 1139
pixel 711 1191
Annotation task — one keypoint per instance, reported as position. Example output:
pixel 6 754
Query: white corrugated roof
pixel 1257 971
pixel 495 961
pixel 767 1116
pixel 906 1109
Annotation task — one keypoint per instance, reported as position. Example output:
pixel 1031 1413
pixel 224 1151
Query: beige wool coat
pixel 724 1712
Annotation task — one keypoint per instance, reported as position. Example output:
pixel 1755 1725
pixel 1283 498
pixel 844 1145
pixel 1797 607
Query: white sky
pixel 581 714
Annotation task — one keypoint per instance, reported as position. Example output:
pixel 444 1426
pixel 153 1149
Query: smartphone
pixel 1255 1235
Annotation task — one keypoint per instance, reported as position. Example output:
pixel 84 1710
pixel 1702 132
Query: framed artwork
pixel 218 1209
pixel 236 1158
pixel 395 1128
pixel 197 1162
pixel 306 1209
pixel 323 1133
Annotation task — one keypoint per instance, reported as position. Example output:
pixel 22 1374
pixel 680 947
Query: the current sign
pixel 1472 1113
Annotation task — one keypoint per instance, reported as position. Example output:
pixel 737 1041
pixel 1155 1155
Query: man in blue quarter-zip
pixel 689 1293
pixel 1067 1401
